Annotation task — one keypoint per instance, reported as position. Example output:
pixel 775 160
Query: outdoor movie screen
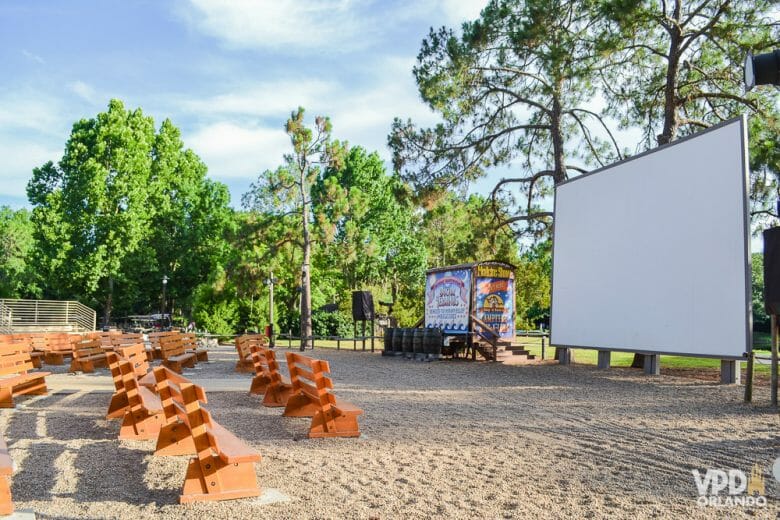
pixel 652 254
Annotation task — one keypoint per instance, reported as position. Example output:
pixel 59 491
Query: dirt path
pixel 447 439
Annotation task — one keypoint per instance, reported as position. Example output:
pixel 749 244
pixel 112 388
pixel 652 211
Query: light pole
pixel 270 281
pixel 165 284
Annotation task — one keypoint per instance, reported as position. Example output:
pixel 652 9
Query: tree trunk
pixel 109 302
pixel 559 157
pixel 306 329
pixel 671 121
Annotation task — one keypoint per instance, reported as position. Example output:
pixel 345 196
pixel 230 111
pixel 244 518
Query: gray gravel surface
pixel 447 439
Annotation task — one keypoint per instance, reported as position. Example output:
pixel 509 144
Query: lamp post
pixel 165 284
pixel 270 281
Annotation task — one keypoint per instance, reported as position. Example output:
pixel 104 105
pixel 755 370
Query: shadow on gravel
pixel 112 473
pixel 37 476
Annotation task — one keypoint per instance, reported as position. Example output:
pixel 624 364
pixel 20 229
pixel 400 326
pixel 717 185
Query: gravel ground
pixel 448 439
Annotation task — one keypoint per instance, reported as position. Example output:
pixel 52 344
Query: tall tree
pixel 124 206
pixel 16 246
pixel 288 189
pixel 515 86
pixel 96 198
pixel 678 65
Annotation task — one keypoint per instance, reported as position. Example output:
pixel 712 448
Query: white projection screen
pixel 652 255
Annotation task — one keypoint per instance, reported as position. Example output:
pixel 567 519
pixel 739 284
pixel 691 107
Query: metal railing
pixel 43 315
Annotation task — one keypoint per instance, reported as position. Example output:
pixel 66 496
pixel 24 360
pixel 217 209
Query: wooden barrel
pixel 407 343
pixel 397 342
pixel 388 342
pixel 417 343
pixel 432 341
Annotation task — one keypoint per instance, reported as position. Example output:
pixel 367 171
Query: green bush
pixel 332 324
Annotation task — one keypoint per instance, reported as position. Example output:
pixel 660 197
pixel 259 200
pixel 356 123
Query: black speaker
pixel 772 270
pixel 362 305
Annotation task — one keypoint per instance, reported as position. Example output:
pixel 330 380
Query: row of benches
pixel 164 405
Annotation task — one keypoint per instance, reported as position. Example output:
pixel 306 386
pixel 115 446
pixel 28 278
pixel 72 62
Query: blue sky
pixel 228 73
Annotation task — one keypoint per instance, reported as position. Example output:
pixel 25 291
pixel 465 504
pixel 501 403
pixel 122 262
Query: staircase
pixel 509 353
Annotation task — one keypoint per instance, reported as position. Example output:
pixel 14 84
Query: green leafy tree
pixel 16 246
pixel 287 191
pixel 124 206
pixel 513 87
pixel 93 203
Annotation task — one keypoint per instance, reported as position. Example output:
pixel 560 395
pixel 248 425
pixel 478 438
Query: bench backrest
pixel 126 382
pixel 86 348
pixel 245 343
pixel 183 399
pixel 154 337
pixel 135 354
pixel 60 342
pixel 171 345
pixel 125 339
pixel 169 388
pixel 189 340
pixel 307 376
pixel 14 359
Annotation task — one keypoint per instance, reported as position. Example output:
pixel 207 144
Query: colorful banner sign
pixel 447 295
pixel 496 301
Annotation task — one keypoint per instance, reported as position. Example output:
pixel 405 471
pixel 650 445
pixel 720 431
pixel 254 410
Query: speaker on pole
pixel 362 306
pixel 772 270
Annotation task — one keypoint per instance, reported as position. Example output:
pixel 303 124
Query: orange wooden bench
pixel 87 354
pixel 15 366
pixel 175 437
pixel 154 343
pixel 174 354
pixel 26 343
pixel 6 470
pixel 311 397
pixel 124 339
pixel 244 350
pixel 136 355
pixel 190 342
pixel 223 468
pixel 58 347
pixel 142 415
pixel 268 380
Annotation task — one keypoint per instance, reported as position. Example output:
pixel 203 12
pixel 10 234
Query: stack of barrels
pixel 421 344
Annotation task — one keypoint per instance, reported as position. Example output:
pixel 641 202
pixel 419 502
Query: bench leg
pixel 277 395
pixel 87 367
pixel 338 426
pixel 54 358
pixel 259 384
pixel 243 367
pixel 36 361
pixel 36 387
pixel 6 398
pixel 202 355
pixel 6 504
pixel 173 365
pixel 175 439
pixel 118 405
pixel 222 482
pixel 299 405
pixel 141 425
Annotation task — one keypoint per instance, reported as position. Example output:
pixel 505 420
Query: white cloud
pixel 269 98
pixel 234 151
pixel 31 110
pixel 19 157
pixel 459 11
pixel 281 24
pixel 32 56
pixel 82 90
pixel 339 26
